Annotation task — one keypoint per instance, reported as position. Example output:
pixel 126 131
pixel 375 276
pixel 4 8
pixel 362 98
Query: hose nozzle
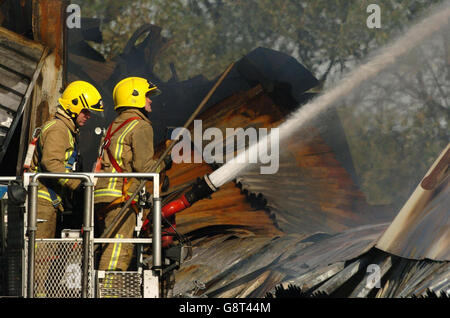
pixel 201 189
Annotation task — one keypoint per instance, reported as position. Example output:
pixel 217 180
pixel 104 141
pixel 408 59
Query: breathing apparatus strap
pixel 105 146
pixel 56 201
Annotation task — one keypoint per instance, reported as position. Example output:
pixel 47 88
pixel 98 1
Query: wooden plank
pixel 21 44
pixel 2 137
pixel 14 81
pixel 6 118
pixel 420 229
pixel 99 71
pixel 26 109
pixel 23 104
pixel 16 62
pixel 9 100
pixel 442 279
pixel 251 287
pixel 410 272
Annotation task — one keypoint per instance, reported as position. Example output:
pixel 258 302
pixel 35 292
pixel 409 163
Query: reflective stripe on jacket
pixel 53 154
pixel 132 148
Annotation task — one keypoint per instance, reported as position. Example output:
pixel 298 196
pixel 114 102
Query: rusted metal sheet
pixel 224 262
pixel 245 265
pixel 398 278
pixel 345 246
pixel 20 63
pixel 422 227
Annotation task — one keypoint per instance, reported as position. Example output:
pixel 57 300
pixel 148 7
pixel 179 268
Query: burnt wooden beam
pixel 26 110
pixel 21 61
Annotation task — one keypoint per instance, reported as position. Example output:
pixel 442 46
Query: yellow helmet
pixel 80 95
pixel 131 92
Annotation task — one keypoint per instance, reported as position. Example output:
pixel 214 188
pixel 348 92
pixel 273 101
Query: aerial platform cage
pixel 64 267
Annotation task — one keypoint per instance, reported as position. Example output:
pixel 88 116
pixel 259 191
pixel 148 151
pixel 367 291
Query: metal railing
pixel 88 223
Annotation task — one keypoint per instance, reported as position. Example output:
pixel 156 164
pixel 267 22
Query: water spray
pixel 308 112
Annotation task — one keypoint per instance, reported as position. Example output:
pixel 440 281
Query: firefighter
pixel 57 152
pixel 127 147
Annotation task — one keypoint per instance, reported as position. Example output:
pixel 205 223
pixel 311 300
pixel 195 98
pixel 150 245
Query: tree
pixel 399 123
pixel 207 35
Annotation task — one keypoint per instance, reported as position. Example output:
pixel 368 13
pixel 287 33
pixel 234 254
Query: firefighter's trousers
pixel 46 219
pixel 116 256
pixel 45 254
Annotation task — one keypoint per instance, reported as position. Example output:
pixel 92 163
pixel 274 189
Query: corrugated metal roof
pixel 373 274
pixel 245 265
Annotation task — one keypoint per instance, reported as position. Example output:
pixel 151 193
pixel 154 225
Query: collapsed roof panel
pixel 284 79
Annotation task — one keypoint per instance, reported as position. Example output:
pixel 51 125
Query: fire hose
pixel 201 189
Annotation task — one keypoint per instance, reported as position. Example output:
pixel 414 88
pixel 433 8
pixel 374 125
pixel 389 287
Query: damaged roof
pixel 19 65
pixel 323 252
pixel 421 230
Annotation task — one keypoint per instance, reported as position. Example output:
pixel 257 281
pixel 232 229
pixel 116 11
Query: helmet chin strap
pixel 68 112
pixel 72 116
